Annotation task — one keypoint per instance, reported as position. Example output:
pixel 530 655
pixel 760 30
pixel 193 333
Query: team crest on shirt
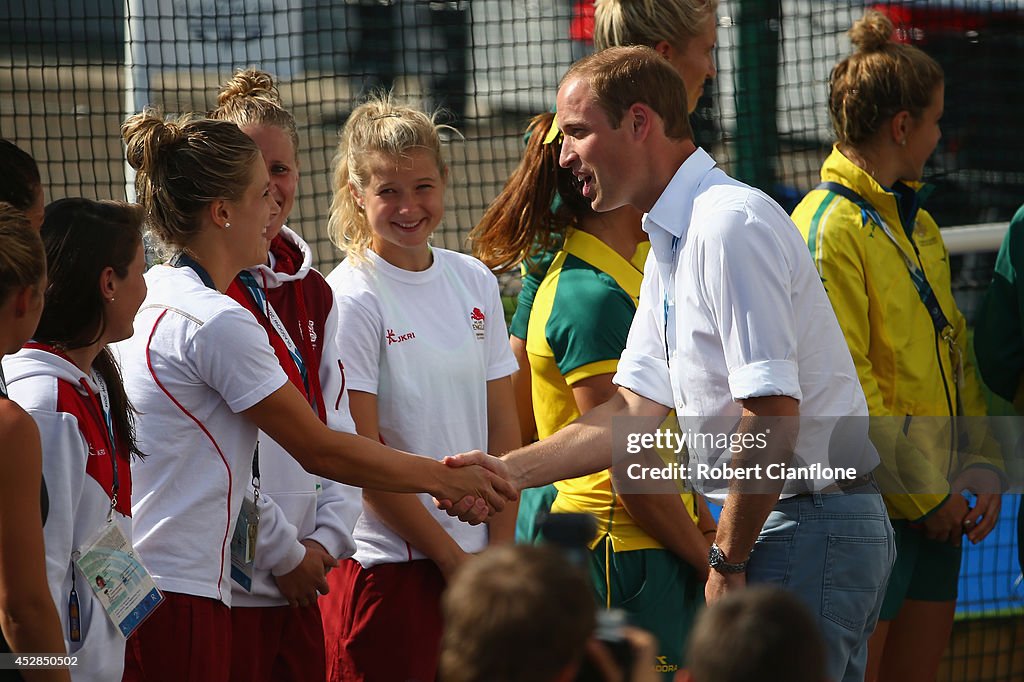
pixel 478 318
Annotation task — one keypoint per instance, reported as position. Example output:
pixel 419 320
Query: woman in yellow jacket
pixel 886 271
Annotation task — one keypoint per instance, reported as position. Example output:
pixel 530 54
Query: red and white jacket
pixel 79 475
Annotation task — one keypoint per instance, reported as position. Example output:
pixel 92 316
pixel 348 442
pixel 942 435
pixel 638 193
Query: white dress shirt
pixel 732 308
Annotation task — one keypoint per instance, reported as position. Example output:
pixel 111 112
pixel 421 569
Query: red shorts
pixel 277 644
pixel 186 638
pixel 383 623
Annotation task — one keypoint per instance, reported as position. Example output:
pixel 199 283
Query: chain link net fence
pixel 71 70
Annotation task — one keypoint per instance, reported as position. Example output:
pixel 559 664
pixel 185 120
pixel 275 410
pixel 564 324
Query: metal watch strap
pixel 717 561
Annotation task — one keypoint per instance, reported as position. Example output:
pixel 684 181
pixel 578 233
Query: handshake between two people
pixel 486 485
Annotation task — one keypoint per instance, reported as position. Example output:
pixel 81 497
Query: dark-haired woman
pixel 67 379
pixel 20 185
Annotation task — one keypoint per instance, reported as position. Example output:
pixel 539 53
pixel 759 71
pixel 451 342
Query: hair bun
pixel 144 134
pixel 872 32
pixel 249 83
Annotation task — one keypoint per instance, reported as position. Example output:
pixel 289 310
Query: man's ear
pixel 640 119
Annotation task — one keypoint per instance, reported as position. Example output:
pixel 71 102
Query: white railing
pixel 974 238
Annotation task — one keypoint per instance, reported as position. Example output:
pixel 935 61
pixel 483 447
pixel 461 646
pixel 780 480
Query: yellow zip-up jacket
pixel 907 371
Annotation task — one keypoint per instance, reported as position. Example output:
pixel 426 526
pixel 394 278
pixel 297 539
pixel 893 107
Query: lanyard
pixel 183 260
pixel 924 290
pixel 259 296
pixel 104 399
pixel 669 287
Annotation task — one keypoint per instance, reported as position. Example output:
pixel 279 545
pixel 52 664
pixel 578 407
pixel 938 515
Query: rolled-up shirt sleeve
pixel 643 367
pixel 747 285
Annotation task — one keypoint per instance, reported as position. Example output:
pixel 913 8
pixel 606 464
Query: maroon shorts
pixel 383 623
pixel 186 638
pixel 277 644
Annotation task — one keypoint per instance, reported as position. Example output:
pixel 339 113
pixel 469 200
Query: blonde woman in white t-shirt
pixel 201 372
pixel 428 368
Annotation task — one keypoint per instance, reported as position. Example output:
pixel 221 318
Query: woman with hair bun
pixel 306 522
pixel 886 271
pixel 28 620
pixel 205 379
pixel 67 379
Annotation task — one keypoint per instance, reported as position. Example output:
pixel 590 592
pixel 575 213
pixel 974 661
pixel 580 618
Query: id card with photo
pixel 122 584
pixel 243 544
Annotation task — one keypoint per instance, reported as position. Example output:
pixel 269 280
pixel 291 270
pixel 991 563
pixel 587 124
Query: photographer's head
pixel 516 613
pixel 759 634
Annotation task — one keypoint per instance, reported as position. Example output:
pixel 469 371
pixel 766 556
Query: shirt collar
pixel 671 212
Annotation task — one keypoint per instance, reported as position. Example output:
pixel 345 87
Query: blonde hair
pixel 183 166
pixel 379 126
pixel 250 98
pixel 22 259
pixel 879 80
pixel 648 22
pixel 619 77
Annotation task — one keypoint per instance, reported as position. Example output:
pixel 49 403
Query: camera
pixel 573 533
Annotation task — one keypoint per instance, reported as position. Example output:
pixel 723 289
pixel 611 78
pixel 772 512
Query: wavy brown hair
pixel 531 213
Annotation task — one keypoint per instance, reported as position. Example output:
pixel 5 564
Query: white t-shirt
pixel 731 282
pixel 426 344
pixel 196 360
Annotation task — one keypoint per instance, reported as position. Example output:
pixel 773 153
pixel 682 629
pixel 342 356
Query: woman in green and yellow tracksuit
pixel 886 271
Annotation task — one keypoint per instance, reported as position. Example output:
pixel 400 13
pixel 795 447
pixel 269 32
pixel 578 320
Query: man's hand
pixel 720 583
pixel 985 484
pixel 300 585
pixel 475 508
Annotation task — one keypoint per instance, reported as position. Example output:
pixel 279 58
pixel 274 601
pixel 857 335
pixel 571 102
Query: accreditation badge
pixel 243 544
pixel 122 584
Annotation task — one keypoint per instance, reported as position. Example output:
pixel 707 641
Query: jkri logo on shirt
pixel 392 337
pixel 478 318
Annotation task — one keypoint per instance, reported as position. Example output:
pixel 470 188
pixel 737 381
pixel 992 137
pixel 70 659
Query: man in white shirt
pixel 733 326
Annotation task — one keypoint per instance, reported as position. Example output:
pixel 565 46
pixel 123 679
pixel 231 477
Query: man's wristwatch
pixel 716 560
